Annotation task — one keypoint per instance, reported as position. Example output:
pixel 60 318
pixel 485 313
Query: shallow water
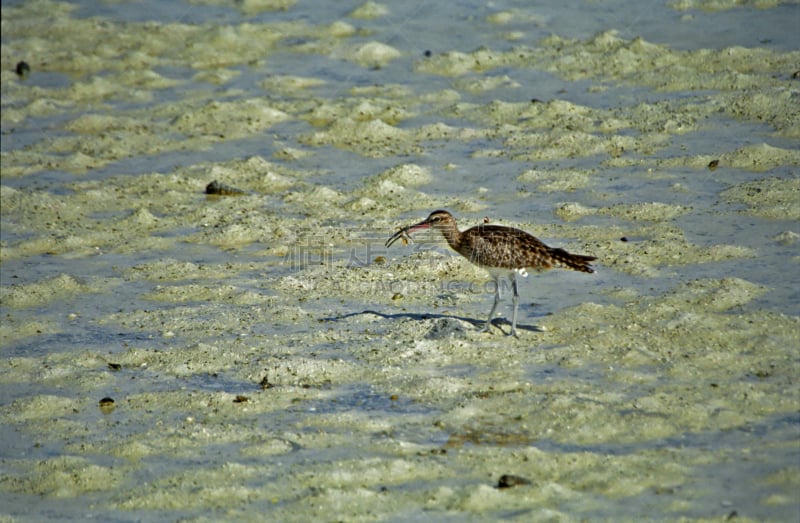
pixel 269 358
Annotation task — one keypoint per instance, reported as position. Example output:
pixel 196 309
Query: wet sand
pixel 268 357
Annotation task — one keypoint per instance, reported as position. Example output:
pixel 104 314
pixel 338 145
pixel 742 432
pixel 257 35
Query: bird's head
pixel 437 219
pixel 441 220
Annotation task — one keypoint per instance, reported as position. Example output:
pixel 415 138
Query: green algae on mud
pixel 495 419
pixel 768 197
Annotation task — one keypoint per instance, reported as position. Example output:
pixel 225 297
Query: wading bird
pixel 503 251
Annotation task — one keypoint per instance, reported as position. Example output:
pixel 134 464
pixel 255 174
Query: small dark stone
pixel 713 164
pixel 241 399
pixel 623 239
pixel 218 189
pixel 510 480
pixel 427 53
pixel 23 69
pixel 732 515
pixel 106 405
pixel 114 366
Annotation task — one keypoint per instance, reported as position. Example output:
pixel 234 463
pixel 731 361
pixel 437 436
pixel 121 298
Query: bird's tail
pixel 576 262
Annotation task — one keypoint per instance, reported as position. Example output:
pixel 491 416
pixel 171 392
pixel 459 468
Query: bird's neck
pixel 451 234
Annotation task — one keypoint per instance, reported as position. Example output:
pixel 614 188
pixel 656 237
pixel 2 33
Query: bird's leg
pixel 494 305
pixel 515 301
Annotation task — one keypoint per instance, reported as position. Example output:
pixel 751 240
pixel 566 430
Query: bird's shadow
pixel 430 316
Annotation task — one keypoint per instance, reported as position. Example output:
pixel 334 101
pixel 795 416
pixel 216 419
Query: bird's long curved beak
pixel 405 232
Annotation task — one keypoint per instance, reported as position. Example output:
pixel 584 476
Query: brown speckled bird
pixel 503 251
